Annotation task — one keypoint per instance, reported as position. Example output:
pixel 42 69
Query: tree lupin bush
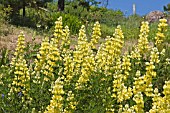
pixel 92 77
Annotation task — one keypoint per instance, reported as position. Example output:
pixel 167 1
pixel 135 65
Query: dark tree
pixel 85 4
pixel 16 5
pixel 167 8
pixel 61 5
pixel 23 5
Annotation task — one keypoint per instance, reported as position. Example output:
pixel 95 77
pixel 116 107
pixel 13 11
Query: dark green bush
pixel 45 20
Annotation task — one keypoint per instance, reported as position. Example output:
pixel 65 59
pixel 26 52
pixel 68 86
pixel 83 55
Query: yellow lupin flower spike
pixel 52 58
pixel 138 98
pixel 126 65
pixel 95 35
pixel 65 41
pixel 81 51
pixel 58 32
pixel 143 44
pixel 19 51
pixel 154 57
pixel 162 27
pixel 40 62
pixel 68 68
pixel 138 83
pixel 56 104
pixel 166 91
pixel 21 81
pixel 41 57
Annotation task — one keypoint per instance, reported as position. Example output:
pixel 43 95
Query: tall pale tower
pixel 134 9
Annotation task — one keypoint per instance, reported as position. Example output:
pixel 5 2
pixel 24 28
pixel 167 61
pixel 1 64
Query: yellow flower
pixel 95 35
pixel 154 55
pixel 162 27
pixel 68 68
pixel 126 65
pixel 41 57
pixel 56 104
pixel 149 90
pixel 143 44
pixel 149 66
pixel 65 41
pixel 138 98
pixel 109 51
pixel 21 75
pixel 163 20
pixel 58 29
pixel 166 88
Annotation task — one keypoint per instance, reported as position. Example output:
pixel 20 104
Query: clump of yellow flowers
pixel 109 51
pixel 83 58
pixel 95 74
pixel 161 104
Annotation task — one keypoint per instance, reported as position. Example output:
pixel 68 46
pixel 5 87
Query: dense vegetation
pixel 88 78
pixel 80 65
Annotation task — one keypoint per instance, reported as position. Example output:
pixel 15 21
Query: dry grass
pixel 9 36
pixel 129 44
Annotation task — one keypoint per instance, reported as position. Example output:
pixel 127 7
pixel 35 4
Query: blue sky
pixel 142 6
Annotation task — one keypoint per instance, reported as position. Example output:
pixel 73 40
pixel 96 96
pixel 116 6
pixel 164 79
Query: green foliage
pixel 4 56
pixel 106 30
pixel 153 31
pixel 71 21
pixel 111 17
pixel 167 7
pixel 5 13
pixel 44 20
pixel 17 5
pixel 168 35
pixel 5 19
pixel 131 26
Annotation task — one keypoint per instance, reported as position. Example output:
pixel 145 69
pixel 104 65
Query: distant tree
pixel 23 6
pixel 105 3
pixel 16 5
pixel 61 5
pixel 85 3
pixel 167 8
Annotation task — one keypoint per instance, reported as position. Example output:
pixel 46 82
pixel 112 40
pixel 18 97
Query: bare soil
pixel 9 36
